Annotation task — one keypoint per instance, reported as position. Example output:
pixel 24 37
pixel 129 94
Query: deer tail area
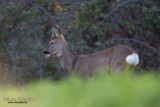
pixel 132 59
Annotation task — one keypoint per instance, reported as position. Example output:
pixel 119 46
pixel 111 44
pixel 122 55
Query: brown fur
pixel 113 59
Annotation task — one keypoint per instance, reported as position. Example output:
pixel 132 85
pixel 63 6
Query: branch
pixel 116 8
pixel 38 44
pixel 140 42
pixel 42 8
pixel 6 47
pixel 34 30
pixel 13 61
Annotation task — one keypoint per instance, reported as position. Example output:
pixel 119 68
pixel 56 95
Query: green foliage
pixel 105 90
pixel 26 29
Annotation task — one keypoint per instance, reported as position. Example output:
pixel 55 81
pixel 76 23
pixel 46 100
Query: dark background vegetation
pixel 87 25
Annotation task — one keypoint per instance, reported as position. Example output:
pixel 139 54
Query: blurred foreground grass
pixel 106 90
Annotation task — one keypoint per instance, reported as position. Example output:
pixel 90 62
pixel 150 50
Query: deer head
pixel 56 43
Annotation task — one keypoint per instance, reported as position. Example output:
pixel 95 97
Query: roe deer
pixel 115 58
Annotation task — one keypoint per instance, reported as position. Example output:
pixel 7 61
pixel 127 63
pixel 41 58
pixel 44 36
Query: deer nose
pixel 46 52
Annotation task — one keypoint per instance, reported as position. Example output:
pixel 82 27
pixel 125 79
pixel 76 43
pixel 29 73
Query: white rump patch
pixel 132 59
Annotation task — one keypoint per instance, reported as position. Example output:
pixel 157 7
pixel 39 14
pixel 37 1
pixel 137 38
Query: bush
pixel 106 90
pixel 25 29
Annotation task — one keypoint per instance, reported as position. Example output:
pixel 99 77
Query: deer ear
pixel 56 31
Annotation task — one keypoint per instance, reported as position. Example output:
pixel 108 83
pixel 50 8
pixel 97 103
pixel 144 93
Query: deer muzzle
pixel 46 52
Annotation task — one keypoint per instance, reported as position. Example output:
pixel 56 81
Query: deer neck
pixel 66 58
